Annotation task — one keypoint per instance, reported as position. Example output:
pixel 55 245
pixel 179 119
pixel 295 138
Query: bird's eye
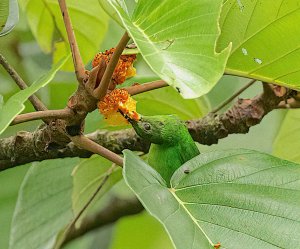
pixel 147 126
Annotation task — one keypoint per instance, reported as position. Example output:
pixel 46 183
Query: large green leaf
pixel 15 104
pixel 89 22
pixel 177 39
pixel 1 102
pixel 167 101
pixel 44 204
pixel 87 176
pixel 9 15
pixel 130 233
pixel 8 199
pixel 97 239
pixel 265 38
pixel 110 11
pixel 286 144
pixel 240 198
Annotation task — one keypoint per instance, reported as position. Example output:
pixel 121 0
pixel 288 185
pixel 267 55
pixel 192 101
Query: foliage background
pixel 277 130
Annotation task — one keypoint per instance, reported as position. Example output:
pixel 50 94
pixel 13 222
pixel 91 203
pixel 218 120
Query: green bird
pixel 171 142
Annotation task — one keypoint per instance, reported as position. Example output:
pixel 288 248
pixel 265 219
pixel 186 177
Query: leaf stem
pixel 140 88
pixel 87 144
pixel 35 101
pixel 101 90
pixel 77 60
pixel 226 102
pixel 48 114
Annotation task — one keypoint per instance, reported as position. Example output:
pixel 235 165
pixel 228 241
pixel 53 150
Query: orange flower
pixel 124 68
pixel 118 99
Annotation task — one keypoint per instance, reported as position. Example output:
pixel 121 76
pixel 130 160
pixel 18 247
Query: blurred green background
pixel 20 47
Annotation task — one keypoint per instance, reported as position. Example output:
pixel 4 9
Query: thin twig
pixel 87 144
pixel 48 114
pixel 136 89
pixel 225 103
pixel 77 60
pixel 71 225
pixel 35 101
pixel 101 90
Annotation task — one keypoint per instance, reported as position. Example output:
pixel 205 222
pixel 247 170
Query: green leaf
pixel 88 19
pixel 130 233
pixel 1 102
pixel 87 176
pixel 286 145
pixel 240 198
pixel 177 39
pixel 44 204
pixel 8 199
pixel 110 11
pixel 98 238
pixel 15 103
pixel 168 101
pixel 265 39
pixel 9 15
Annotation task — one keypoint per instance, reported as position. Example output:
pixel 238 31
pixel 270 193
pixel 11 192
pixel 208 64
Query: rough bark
pixel 48 143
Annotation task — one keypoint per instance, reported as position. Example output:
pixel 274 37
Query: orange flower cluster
pixel 118 99
pixel 124 68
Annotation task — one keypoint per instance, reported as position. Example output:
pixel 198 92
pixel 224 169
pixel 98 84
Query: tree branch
pixel 112 212
pixel 244 114
pixel 289 104
pixel 238 119
pixel 88 144
pixel 48 114
pixel 35 101
pixel 77 60
pixel 226 102
pixel 140 88
pixel 101 90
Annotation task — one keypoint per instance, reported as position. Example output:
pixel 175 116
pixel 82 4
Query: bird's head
pixel 159 129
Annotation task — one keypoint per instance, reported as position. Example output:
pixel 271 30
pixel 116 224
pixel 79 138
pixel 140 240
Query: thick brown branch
pixel 246 113
pixel 77 60
pixel 289 104
pixel 115 209
pixel 238 93
pixel 48 114
pixel 136 89
pixel 35 101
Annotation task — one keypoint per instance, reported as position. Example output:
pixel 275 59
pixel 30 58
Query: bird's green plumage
pixel 171 143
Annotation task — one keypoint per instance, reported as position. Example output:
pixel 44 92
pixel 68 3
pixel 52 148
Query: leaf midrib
pixel 191 216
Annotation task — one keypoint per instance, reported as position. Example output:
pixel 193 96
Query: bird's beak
pixel 129 119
